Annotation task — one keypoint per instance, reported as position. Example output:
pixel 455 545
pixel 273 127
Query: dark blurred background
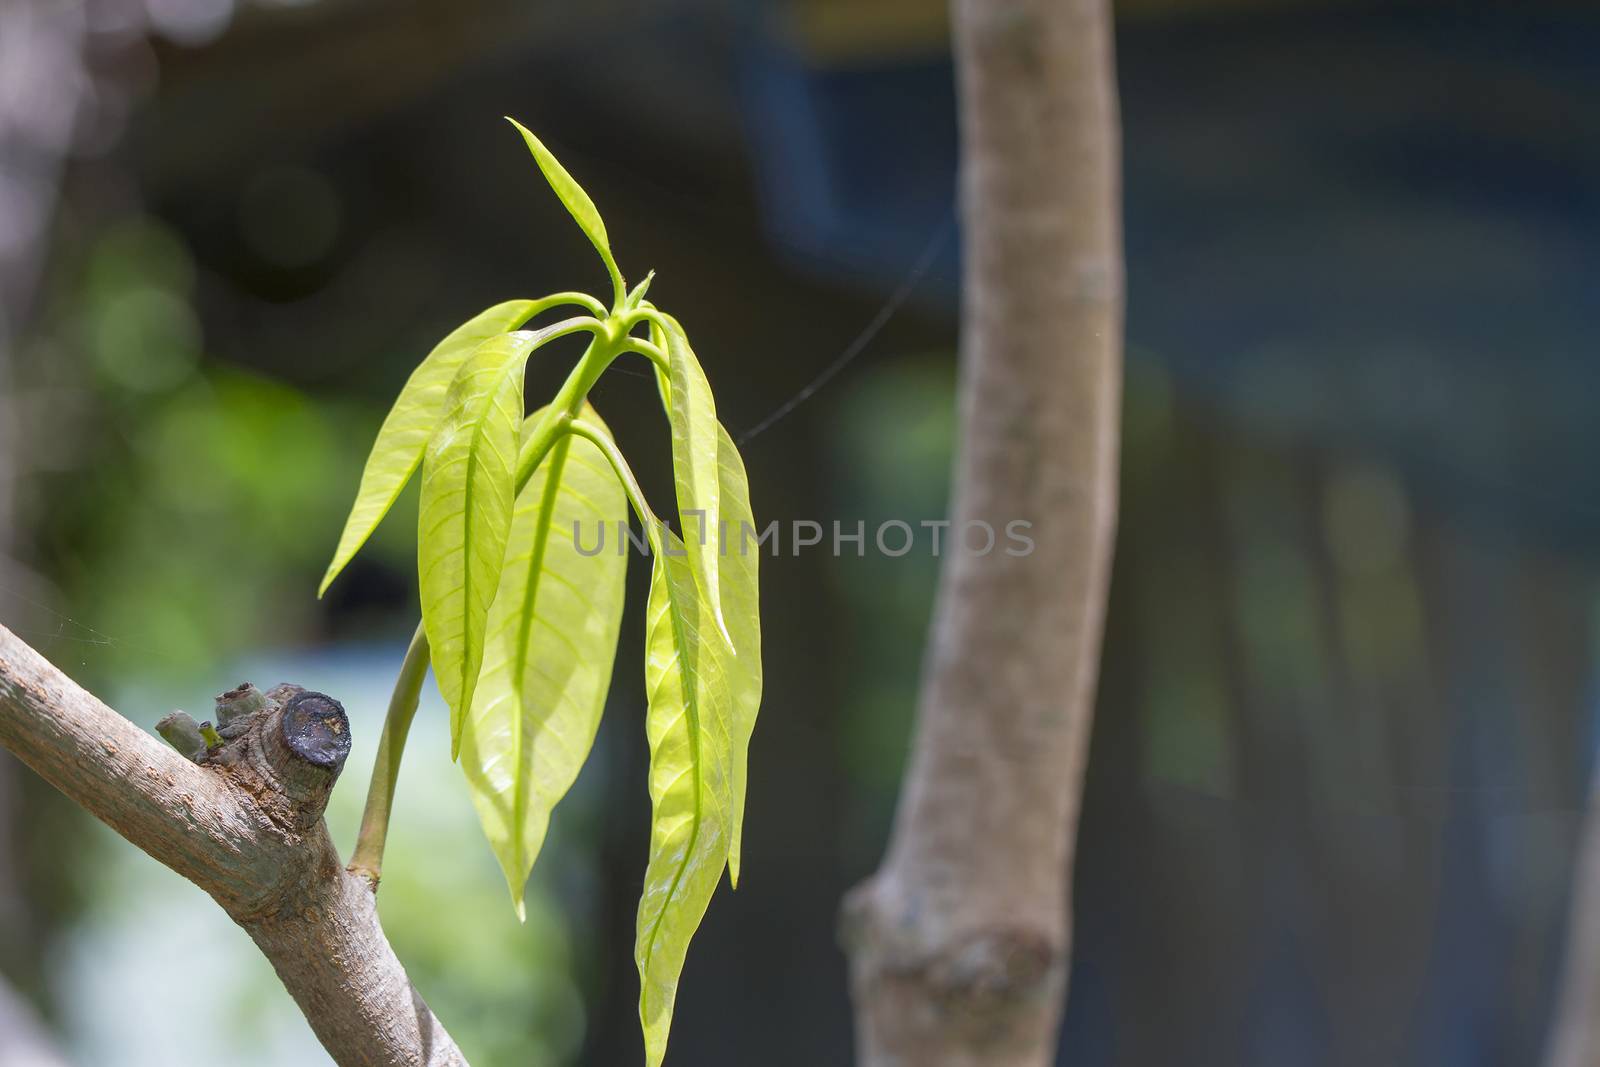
pixel 1341 756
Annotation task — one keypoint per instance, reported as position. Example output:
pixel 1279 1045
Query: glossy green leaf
pixel 465 514
pixel 572 196
pixel 412 420
pixel 692 411
pixel 741 607
pixel 549 643
pixel 691 782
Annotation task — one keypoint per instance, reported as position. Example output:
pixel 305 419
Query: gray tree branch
pixel 960 942
pixel 1574 1037
pixel 245 824
pixel 24 1042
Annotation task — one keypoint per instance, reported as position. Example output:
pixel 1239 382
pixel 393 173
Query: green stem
pixel 648 313
pixel 367 859
pixel 613 455
pixel 619 288
pixel 608 343
pixel 661 327
pixel 555 300
pixel 652 351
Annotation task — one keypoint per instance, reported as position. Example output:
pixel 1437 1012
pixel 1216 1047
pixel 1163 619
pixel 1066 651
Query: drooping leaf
pixel 409 424
pixel 741 607
pixel 572 196
pixel 691 749
pixel 465 513
pixel 692 411
pixel 549 643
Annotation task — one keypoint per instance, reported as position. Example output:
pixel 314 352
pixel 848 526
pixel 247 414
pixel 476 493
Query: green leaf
pixel 692 411
pixel 691 751
pixel 468 473
pixel 636 295
pixel 573 197
pixel 405 432
pixel 550 640
pixel 741 607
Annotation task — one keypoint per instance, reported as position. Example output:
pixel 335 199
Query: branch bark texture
pixel 243 821
pixel 959 943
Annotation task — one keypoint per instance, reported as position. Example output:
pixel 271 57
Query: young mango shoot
pixel 520 624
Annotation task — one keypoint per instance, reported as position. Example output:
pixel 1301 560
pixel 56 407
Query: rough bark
pixel 959 943
pixel 243 821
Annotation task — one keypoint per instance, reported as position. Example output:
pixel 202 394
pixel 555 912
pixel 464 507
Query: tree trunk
pixel 23 1039
pixel 242 819
pixel 1574 1039
pixel 959 943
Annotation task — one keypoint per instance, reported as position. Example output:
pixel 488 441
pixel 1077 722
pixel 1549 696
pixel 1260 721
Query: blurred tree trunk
pixel 960 942
pixel 23 1041
pixel 1575 1028
pixel 41 86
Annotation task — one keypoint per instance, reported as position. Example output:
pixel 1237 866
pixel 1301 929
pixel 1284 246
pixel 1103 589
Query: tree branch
pixel 24 1041
pixel 959 943
pixel 244 824
pixel 1574 1036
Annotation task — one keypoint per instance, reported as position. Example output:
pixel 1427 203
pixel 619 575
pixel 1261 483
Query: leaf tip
pixel 329 575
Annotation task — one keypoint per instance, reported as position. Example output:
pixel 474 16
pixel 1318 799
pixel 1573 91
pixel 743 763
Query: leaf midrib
pixel 692 714
pixel 478 426
pixel 541 540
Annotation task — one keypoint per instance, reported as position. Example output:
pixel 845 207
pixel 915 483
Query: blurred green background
pixel 1342 752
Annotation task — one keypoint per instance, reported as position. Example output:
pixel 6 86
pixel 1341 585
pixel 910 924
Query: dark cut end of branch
pixel 315 729
pixel 312 727
pixel 286 747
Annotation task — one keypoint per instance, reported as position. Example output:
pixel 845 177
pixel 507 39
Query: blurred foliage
pixel 891 461
pixel 184 497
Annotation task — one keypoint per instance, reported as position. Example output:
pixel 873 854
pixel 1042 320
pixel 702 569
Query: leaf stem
pixel 647 312
pixel 619 465
pixel 619 288
pixel 367 860
pixel 608 343
pixel 645 348
pixel 555 300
